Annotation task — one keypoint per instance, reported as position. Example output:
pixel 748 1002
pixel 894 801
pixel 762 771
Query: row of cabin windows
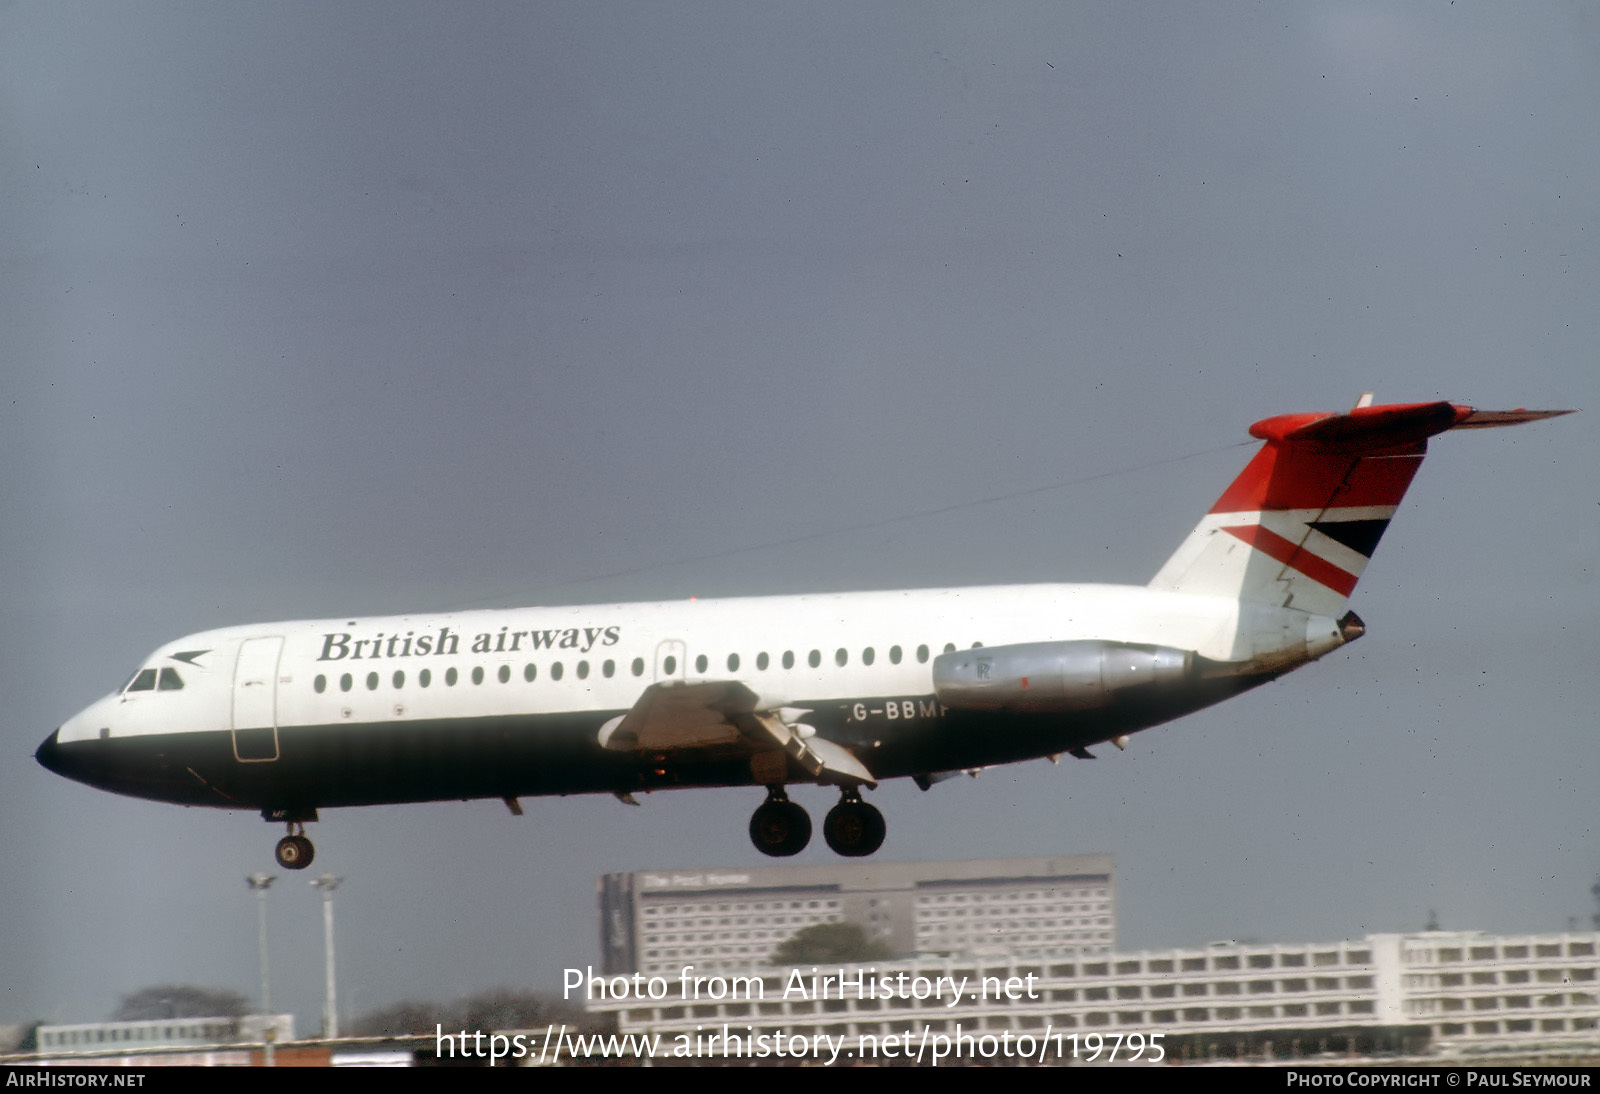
pixel 608 669
pixel 841 657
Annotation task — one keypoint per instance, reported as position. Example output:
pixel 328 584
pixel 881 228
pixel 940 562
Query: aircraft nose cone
pixel 49 753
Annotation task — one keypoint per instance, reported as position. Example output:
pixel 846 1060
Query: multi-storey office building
pixel 659 921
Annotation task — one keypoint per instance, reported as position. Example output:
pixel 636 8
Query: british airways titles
pixel 341 646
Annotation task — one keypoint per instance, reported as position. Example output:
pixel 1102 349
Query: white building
pixel 1412 992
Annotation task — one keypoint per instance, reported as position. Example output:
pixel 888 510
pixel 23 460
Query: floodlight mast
pixel 261 883
pixel 330 1008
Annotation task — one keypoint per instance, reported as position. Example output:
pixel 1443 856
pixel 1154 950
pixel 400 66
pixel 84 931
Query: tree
pixel 832 943
pixel 401 1019
pixel 500 1008
pixel 30 1039
pixel 180 1001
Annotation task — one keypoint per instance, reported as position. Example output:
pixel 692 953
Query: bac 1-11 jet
pixel 842 689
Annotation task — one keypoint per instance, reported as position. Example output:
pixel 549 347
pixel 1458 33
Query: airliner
pixel 843 689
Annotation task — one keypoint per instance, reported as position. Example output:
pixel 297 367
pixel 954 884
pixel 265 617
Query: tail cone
pixel 1351 627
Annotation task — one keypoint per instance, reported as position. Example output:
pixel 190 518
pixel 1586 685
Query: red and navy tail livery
pixel 1297 527
pixel 840 689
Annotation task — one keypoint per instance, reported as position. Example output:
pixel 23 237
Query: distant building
pixel 164 1033
pixel 658 921
pixel 1432 992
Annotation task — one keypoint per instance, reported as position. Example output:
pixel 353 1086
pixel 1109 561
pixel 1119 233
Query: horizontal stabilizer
pixel 1483 419
pixel 1298 526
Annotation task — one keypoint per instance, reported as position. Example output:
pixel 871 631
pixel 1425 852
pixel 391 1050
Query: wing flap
pixel 670 716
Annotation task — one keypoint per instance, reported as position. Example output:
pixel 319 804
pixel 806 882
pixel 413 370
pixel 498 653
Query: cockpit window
pixel 143 680
pixel 170 681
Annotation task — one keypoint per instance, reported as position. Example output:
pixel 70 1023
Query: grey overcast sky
pixel 326 309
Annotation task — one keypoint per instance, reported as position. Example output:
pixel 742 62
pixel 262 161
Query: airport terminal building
pixel 659 921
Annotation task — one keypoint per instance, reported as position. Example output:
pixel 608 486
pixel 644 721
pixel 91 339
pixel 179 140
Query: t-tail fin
pixel 1297 527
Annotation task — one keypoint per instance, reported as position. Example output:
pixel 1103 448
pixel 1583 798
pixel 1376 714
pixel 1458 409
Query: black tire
pixel 780 829
pixel 854 829
pixel 294 852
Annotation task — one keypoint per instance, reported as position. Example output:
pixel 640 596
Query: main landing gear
pixel 781 828
pixel 294 851
pixel 853 828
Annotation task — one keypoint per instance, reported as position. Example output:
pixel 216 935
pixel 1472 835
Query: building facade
pixel 1429 992
pixel 659 921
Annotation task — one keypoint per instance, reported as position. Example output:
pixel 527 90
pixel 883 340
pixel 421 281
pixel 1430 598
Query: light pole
pixel 261 883
pixel 330 1007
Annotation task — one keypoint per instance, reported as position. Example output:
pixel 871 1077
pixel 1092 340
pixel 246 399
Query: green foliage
pixel 487 1011
pixel 834 943
pixel 180 1001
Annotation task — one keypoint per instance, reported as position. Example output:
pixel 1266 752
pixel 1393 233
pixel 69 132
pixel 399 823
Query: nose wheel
pixel 294 851
pixel 780 828
pixel 853 828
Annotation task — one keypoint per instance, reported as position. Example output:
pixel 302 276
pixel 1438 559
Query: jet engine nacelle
pixel 1053 676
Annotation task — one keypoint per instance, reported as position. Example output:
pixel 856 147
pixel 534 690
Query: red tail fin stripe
pixel 1293 556
pixel 1293 477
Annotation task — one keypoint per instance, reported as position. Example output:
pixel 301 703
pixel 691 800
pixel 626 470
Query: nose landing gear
pixel 294 851
pixel 779 827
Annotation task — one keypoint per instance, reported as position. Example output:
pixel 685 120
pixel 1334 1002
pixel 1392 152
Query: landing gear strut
pixel 853 828
pixel 780 828
pixel 294 851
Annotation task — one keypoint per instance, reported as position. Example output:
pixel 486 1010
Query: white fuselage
pixel 504 703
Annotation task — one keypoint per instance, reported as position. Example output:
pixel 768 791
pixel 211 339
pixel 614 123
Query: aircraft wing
pixel 722 715
pixel 672 716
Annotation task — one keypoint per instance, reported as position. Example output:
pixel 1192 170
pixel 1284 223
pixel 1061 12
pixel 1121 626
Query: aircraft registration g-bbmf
pixel 844 689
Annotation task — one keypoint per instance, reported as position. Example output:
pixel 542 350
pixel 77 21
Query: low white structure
pixel 165 1033
pixel 1450 989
